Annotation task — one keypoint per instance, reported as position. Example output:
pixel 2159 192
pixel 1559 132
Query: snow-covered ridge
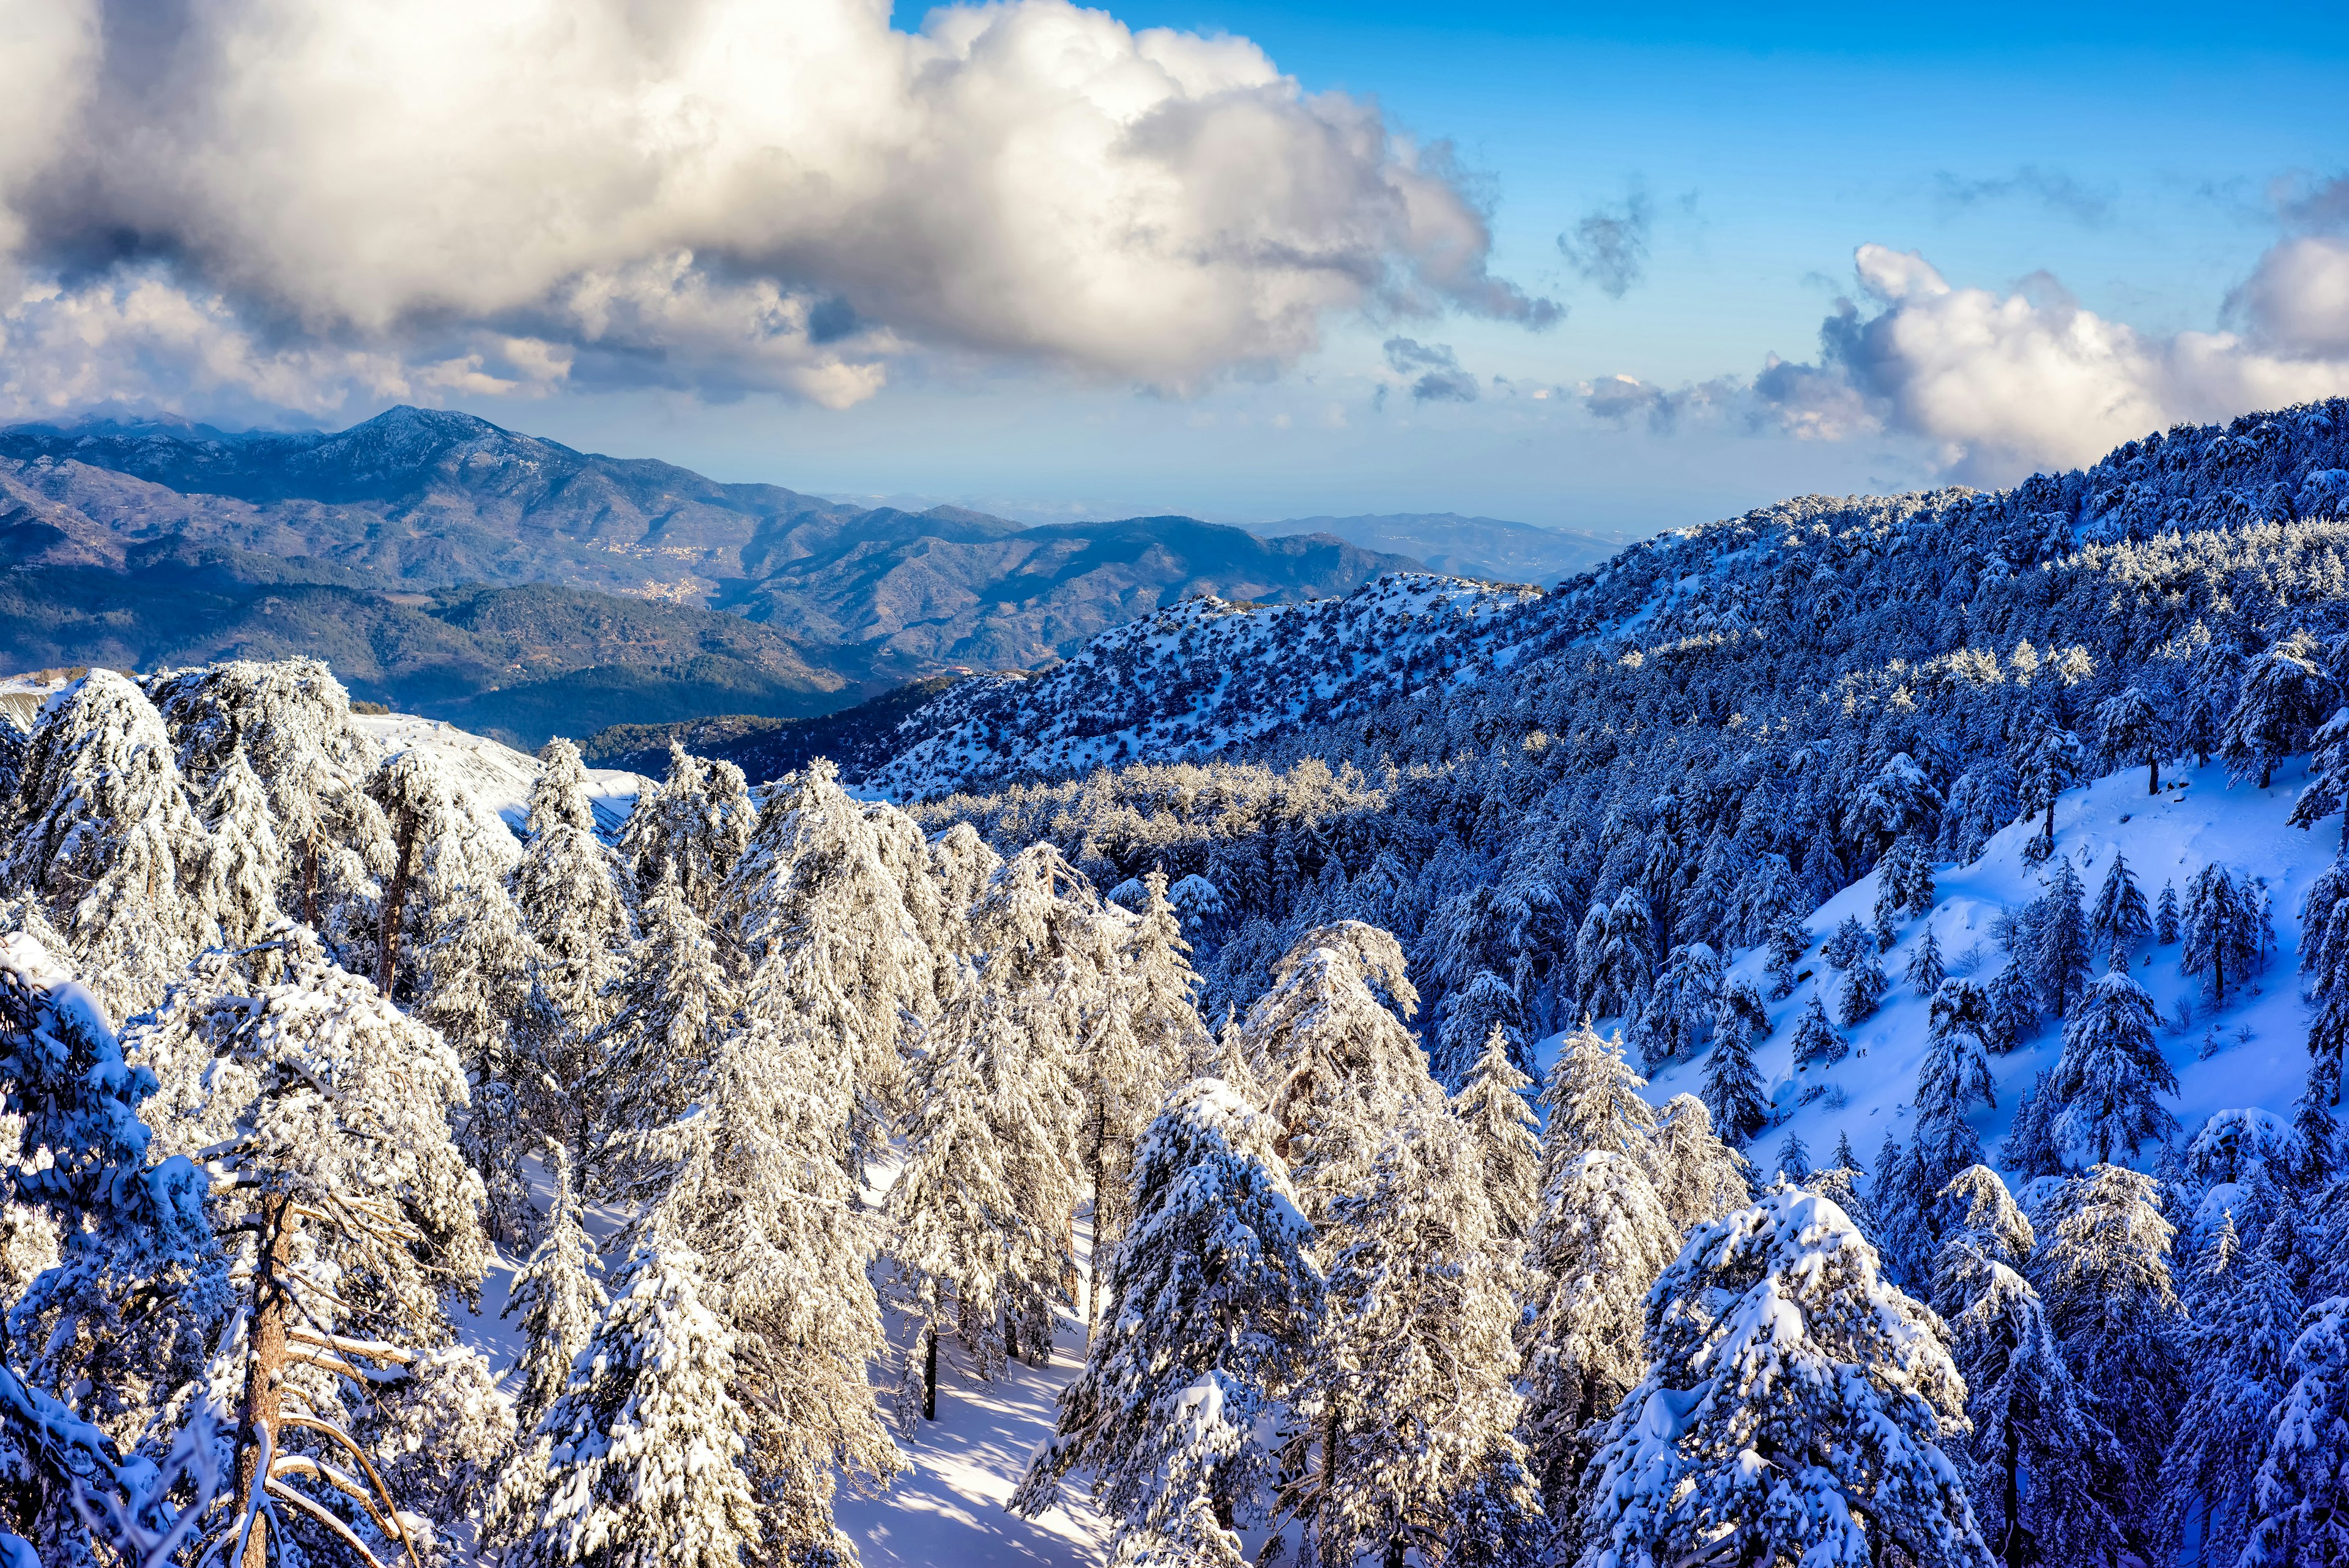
pixel 495 778
pixel 1200 677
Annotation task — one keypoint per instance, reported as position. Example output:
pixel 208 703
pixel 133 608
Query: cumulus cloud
pixel 1609 245
pixel 1619 399
pixel 1441 380
pixel 301 202
pixel 2003 383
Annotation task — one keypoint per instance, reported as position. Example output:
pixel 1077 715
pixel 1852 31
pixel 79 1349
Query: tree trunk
pixel 310 881
pixel 2153 775
pixel 264 1363
pixel 930 1373
pixel 2218 982
pixel 2010 1548
pixel 393 898
pixel 2267 770
pixel 2047 832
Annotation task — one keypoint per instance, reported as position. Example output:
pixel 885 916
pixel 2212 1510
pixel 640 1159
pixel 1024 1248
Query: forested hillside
pixel 1394 1042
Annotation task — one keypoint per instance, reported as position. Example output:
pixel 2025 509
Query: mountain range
pixel 1481 547
pixel 452 567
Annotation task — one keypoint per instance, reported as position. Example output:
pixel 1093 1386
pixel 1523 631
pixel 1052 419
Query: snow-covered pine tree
pixel 245 865
pixel 2220 927
pixel 1501 1126
pixel 2111 1069
pixel 1774 1333
pixel 355 1214
pixel 1681 1008
pixel 691 830
pixel 2120 920
pixel 1862 988
pixel 1408 1407
pixel 1343 1069
pixel 2030 1148
pixel 1734 1090
pixel 1926 971
pixel 1215 1297
pixel 2059 952
pixel 643 1453
pixel 1817 1044
pixel 2243 1318
pixel 430 842
pixel 815 920
pixel 2301 1499
pixel 2324 958
pixel 2285 694
pixel 1163 993
pixel 2014 1007
pixel 672 1006
pixel 2040 1462
pixel 1904 887
pixel 107 840
pixel 2328 777
pixel 117 1330
pixel 1793 1159
pixel 2103 1270
pixel 569 890
pixel 1787 940
pixel 1615 955
pixel 1847 942
pixel 786 1253
pixel 1698 1176
pixel 1592 1101
pixel 2130 732
pixel 2048 760
pixel 1602 1238
pixel 2165 915
pixel 1471 1012
pixel 559 1296
pixel 1982 1227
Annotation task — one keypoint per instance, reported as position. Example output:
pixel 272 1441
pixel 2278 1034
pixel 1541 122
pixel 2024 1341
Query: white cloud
pixel 723 195
pixel 2005 383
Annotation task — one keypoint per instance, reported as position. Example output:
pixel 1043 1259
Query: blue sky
pixel 2088 182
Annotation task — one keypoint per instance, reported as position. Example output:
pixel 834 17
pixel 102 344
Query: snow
pixel 496 778
pixel 2198 818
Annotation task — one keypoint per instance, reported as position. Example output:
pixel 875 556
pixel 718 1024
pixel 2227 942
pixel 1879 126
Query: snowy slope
pixel 2198 819
pixel 1203 675
pixel 496 777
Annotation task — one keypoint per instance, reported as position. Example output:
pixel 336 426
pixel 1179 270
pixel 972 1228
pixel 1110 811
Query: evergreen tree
pixel 2040 1462
pixel 2328 777
pixel 1170 1038
pixel 244 867
pixel 1215 1297
pixel 106 839
pixel 2301 1499
pixel 1681 1008
pixel 2057 947
pixel 2165 915
pixel 2131 733
pixel 1904 887
pixel 1592 1101
pixel 1698 1176
pixel 2324 958
pixel 1343 1069
pixel 1734 1090
pixel 353 1211
pixel 568 888
pixel 1981 1228
pixel 1787 940
pixel 2103 1270
pixel 1863 986
pixel 2014 1007
pixel 2219 926
pixel 1925 972
pixel 2120 920
pixel 1772 1334
pixel 644 1452
pixel 2111 1069
pixel 2244 1318
pixel 2285 694
pixel 1471 1014
pixel 1793 1159
pixel 2031 1148
pixel 1817 1042
pixel 1614 955
pixel 1408 1410
pixel 1602 1238
pixel 689 831
pixel 1845 1157
pixel 671 1006
pixel 2048 760
pixel 1846 943
pixel 1501 1126
pixel 559 1297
